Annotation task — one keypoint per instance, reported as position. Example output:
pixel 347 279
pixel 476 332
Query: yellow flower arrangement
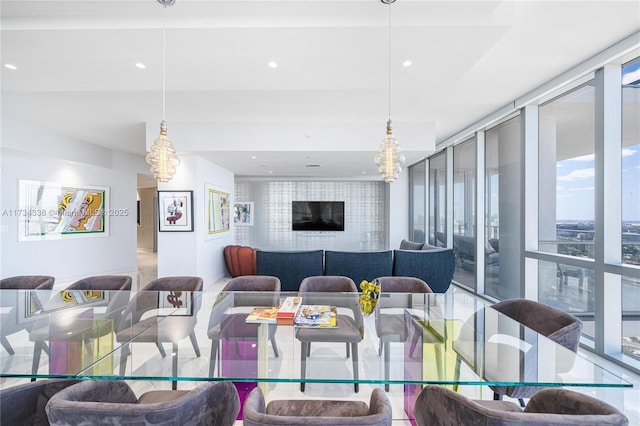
pixel 369 296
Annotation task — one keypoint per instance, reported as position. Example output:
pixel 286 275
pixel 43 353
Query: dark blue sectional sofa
pixel 434 266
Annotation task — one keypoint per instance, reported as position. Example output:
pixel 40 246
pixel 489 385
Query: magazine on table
pixel 262 314
pixel 316 316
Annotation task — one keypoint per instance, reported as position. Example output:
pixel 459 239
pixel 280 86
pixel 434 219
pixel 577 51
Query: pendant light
pixel 162 157
pixel 389 158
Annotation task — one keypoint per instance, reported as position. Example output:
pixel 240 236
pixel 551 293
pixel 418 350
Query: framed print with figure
pixel 175 211
pixel 51 210
pixel 243 213
pixel 218 211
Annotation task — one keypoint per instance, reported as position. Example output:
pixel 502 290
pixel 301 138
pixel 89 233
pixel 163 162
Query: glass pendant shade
pixel 390 158
pixel 162 157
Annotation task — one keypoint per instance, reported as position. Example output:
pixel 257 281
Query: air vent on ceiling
pixel 313 165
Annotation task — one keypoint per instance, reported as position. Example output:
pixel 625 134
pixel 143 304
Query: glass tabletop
pixel 419 339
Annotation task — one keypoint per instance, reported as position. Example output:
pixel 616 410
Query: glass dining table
pixel 203 336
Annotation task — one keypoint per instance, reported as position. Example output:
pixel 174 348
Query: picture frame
pixel 218 211
pixel 243 213
pixel 52 210
pixel 175 211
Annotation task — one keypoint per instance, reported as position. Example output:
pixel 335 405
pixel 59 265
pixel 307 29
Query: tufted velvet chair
pixel 249 291
pixel 317 412
pixel 390 327
pixel 171 329
pixel 9 320
pixel 559 326
pixel 113 402
pixel 24 405
pixel 438 406
pixel 118 286
pixel 350 330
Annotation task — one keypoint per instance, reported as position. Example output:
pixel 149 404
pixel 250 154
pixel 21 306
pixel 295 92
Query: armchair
pixel 552 323
pixel 9 320
pixel 439 406
pixel 114 402
pixel 249 291
pixel 118 287
pixel 24 405
pixel 350 329
pixel 160 328
pixel 390 327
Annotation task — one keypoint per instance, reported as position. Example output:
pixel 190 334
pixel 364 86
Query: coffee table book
pixel 288 309
pixel 262 314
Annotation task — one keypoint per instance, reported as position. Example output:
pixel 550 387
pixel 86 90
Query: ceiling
pixel 326 102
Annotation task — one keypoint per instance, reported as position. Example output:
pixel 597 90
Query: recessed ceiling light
pixel 363 172
pixel 253 157
pixel 407 63
pixel 272 64
pixel 270 172
pixel 10 66
pixel 140 65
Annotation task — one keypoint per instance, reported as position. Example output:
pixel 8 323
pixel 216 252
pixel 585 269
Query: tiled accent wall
pixel 363 209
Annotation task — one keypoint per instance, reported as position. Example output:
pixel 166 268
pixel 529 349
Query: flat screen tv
pixel 317 215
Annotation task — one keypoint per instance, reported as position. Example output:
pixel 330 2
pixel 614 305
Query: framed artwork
pixel 50 210
pixel 175 211
pixel 243 213
pixel 218 211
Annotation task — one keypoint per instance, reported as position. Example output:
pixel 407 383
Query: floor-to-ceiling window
pixel 566 206
pixel 438 200
pixel 417 176
pixel 581 245
pixel 464 207
pixel 503 216
pixel 631 206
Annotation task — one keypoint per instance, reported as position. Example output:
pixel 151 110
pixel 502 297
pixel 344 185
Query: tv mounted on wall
pixel 317 215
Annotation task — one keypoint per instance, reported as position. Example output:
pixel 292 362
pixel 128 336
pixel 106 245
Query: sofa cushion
pixel 364 265
pixel 410 245
pixel 435 267
pixel 291 267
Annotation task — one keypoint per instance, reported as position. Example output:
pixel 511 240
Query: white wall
pixel 72 258
pixel 191 253
pixel 398 210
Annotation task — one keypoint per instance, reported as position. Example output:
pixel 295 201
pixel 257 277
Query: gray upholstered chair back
pixel 403 285
pixel 24 405
pixel 316 412
pixel 330 284
pixel 28 282
pixel 113 402
pixel 119 288
pixel 439 406
pixel 559 326
pixel 147 298
pixel 262 290
pixel 103 282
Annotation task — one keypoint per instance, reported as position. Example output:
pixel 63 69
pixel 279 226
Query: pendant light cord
pixel 389 59
pixel 164 59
